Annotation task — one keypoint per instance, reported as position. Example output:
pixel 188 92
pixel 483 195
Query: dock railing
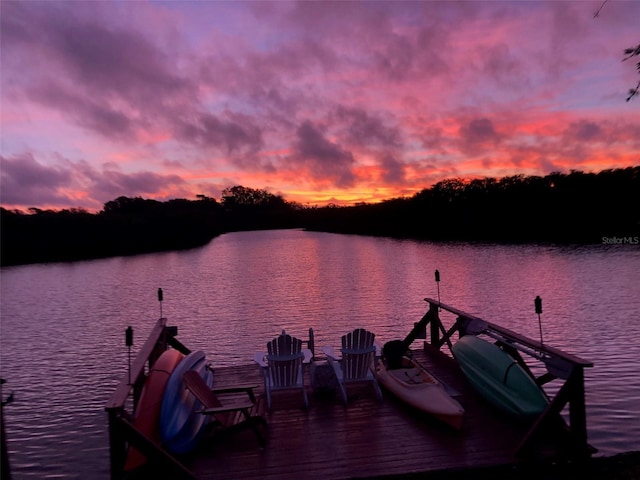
pixel 122 431
pixel 557 365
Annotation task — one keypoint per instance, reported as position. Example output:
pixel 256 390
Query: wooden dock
pixel 365 439
pixel 368 438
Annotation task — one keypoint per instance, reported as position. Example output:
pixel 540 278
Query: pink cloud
pixel 340 97
pixel 323 158
pixel 27 182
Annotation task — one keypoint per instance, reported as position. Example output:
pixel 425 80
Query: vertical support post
pixel 5 467
pixel 435 325
pixel 461 322
pixel 422 325
pixel 138 385
pixel 128 335
pixel 117 445
pixel 577 409
pixel 312 344
pixel 160 346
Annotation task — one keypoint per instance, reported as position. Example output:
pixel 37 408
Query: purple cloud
pixel 393 170
pixel 365 129
pixel 27 182
pixel 112 184
pixel 478 130
pixel 237 135
pixel 478 135
pixel 325 159
pixel 117 83
pixel 335 93
pixel 96 57
pixel 584 131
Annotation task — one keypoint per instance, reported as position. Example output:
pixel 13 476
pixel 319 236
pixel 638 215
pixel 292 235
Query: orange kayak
pixel 147 413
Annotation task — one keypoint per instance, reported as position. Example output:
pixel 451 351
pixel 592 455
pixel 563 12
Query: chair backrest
pixel 196 385
pixel 284 357
pixel 199 388
pixel 358 354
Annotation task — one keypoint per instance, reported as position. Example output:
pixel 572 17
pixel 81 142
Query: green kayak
pixel 498 378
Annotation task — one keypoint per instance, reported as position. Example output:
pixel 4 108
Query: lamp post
pixel 128 338
pixel 538 304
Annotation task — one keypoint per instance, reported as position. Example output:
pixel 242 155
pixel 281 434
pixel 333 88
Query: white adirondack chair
pixel 357 362
pixel 283 366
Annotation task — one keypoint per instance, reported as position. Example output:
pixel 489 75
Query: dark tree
pixel 633 52
pixel 239 196
pixel 629 52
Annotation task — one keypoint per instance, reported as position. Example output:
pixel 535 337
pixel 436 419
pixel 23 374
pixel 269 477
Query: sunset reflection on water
pixel 63 324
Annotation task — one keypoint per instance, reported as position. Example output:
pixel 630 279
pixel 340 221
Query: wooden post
pixel 571 393
pixel 431 318
pixel 138 385
pixel 421 325
pixel 559 364
pixel 117 445
pixel 461 322
pixel 118 436
pixel 435 327
pixel 577 410
pixel 5 466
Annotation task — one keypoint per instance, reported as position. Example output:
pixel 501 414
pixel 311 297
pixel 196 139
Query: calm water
pixel 62 325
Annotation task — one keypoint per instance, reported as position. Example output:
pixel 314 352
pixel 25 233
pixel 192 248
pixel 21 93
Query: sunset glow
pixel 320 102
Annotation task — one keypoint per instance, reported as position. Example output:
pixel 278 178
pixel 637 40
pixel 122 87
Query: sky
pixel 319 102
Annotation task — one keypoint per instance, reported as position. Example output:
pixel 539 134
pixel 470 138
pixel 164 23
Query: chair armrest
pixel 235 388
pixel 358 351
pixel 247 388
pixel 330 353
pixel 308 355
pixel 260 358
pixel 231 408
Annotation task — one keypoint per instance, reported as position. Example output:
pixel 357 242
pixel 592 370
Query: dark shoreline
pixel 559 209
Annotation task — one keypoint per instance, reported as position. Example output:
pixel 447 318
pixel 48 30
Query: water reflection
pixel 63 325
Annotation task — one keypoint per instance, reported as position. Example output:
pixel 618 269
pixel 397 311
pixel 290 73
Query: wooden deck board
pixel 367 438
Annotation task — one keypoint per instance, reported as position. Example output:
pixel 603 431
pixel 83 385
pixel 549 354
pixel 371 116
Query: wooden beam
pixel 119 397
pixel 420 325
pixel 558 363
pixel 178 345
pixel 518 358
pixel 117 445
pixel 447 336
pixel 458 312
pixel 434 320
pixel 545 378
pixel 511 336
pixel 539 346
pixel 577 410
pixel 572 393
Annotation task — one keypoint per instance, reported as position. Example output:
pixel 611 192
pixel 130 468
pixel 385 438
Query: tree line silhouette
pixel 580 208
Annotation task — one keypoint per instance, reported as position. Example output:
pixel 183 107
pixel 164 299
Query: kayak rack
pixel 558 365
pixel 122 431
